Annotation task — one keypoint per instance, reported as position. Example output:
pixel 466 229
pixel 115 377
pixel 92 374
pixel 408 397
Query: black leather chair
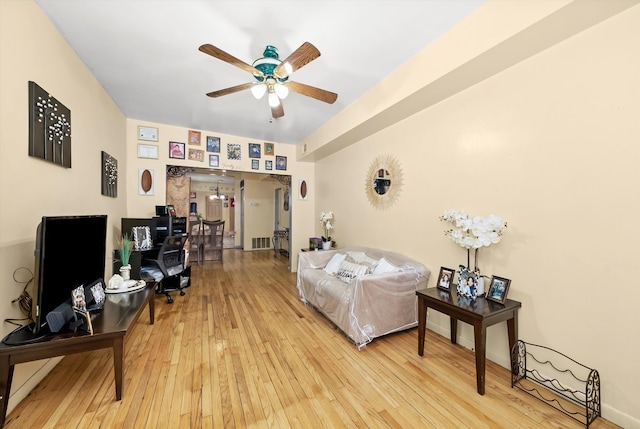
pixel 170 262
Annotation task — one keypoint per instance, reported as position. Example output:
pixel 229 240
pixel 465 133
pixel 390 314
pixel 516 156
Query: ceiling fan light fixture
pixel 288 68
pixel 258 90
pixel 274 101
pixel 281 90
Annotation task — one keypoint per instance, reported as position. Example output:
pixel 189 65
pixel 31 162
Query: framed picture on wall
pixel 147 133
pixel 109 175
pixel 176 150
pixel 303 189
pixel 146 181
pixel 213 144
pixel 255 164
pixel 281 162
pixel 268 149
pixel 214 160
pixel 194 137
pixel 254 150
pixel 148 151
pixel 234 151
pixel 196 154
pixel 268 165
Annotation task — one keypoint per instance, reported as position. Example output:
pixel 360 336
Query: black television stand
pixel 25 335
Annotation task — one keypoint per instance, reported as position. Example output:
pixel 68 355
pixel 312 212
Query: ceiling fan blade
pixel 278 111
pixel 298 58
pixel 313 92
pixel 222 55
pixel 229 90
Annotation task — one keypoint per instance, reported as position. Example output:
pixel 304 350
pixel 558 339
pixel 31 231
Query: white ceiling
pixel 145 54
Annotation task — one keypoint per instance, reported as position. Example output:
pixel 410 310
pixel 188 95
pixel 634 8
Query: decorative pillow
pixel 334 264
pixel 385 266
pixel 356 256
pixel 349 271
pixel 362 259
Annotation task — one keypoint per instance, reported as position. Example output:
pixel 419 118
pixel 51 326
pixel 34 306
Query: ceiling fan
pixel 272 75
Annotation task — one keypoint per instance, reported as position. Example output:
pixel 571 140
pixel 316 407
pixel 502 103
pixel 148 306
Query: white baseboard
pixel 609 413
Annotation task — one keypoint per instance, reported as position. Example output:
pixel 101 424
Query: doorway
pixel 214 209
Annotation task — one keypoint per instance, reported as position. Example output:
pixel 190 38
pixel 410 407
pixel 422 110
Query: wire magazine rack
pixel 569 386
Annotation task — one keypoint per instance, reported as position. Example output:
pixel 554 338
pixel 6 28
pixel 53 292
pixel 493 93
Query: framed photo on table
pixel 498 289
pixel 445 278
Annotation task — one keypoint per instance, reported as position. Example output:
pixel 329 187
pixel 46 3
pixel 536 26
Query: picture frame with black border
pixel 268 164
pixel 498 289
pixel 254 150
pixel 213 144
pixel 176 150
pixel 445 278
pixel 255 164
pixel 281 162
pixel 214 160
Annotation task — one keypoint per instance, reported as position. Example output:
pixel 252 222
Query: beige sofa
pixel 372 293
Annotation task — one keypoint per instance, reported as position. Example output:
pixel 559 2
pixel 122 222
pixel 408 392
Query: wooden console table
pixel 110 326
pixel 480 313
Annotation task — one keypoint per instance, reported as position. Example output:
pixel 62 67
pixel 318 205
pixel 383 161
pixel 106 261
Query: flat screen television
pixel 70 251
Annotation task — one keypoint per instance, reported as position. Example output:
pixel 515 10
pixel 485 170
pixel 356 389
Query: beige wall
pixel 32 49
pixel 551 144
pixel 144 205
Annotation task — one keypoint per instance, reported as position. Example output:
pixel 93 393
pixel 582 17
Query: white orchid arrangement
pixel 326 218
pixel 473 232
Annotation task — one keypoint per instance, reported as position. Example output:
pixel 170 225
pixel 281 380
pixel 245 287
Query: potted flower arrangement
pixel 472 233
pixel 124 254
pixel 326 218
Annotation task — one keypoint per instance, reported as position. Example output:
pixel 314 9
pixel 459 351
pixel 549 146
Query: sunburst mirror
pixel 383 182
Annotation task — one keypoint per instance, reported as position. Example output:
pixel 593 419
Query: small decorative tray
pixel 136 286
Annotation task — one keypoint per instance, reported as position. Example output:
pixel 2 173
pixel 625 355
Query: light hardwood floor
pixel 241 350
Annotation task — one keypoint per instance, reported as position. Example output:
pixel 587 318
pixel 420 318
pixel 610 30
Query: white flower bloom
pixel 473 232
pixel 325 218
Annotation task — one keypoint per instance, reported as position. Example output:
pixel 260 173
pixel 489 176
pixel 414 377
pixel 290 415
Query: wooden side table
pixel 480 313
pixel 110 326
